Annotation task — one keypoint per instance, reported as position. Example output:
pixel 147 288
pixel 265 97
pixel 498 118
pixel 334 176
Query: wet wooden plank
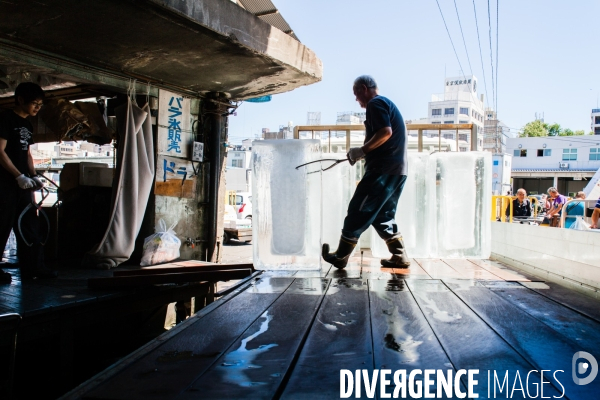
pixel 172 269
pixel 339 338
pixel 500 270
pixel 470 271
pixel 256 364
pixel 540 345
pixel 181 277
pixel 437 269
pixel 31 298
pixel 414 271
pixel 468 341
pixel 169 369
pixel 402 338
pixel 583 304
pixel 578 328
pixel 372 269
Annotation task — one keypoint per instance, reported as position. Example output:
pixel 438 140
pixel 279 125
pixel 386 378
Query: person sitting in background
pixel 558 201
pixel 546 203
pixel 574 209
pixel 521 206
pixel 596 216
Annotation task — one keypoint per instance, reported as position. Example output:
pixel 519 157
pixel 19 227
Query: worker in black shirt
pixel 521 206
pixel 18 181
pixel 376 197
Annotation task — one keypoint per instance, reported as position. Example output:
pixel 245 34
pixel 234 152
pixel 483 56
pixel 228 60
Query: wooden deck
pixel 288 334
pixel 69 332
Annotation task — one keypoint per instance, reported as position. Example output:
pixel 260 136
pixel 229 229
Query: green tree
pixel 534 129
pixel 580 132
pixel 566 132
pixel 554 130
pixel 591 133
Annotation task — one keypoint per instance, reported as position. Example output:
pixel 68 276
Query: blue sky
pixel 548 58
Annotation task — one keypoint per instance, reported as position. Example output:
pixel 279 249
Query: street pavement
pixel 236 252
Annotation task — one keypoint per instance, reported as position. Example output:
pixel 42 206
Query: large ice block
pixel 338 186
pixel 463 194
pixel 286 205
pixel 443 207
pixel 415 212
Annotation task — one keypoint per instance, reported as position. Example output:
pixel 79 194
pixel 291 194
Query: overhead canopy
pixel 194 46
pixel 266 10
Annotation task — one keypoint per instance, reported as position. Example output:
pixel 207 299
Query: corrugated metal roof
pixel 266 10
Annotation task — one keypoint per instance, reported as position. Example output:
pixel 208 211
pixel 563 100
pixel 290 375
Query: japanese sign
pixel 174 122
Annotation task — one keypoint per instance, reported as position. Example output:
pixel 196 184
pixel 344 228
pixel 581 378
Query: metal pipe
pixel 214 117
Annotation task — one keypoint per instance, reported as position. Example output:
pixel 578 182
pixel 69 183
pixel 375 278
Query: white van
pixel 243 205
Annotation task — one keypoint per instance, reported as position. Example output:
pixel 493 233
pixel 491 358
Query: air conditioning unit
pixel 563 165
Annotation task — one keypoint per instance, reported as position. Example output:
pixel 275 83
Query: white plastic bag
pixel 580 224
pixel 162 246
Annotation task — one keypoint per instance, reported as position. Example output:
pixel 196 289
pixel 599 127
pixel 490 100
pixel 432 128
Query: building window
pixel 436 122
pixel 596 120
pixel 448 122
pixel 520 153
pixel 569 155
pixel 463 122
pixel 436 111
pixel 237 163
pixel 597 130
pixel 448 111
pixel 448 135
pixel 464 110
pixel 595 154
pixel 462 136
pixel 544 152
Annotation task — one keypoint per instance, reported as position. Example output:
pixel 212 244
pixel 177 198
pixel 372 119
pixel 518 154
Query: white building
pixel 459 104
pixel 239 158
pixel 351 118
pixel 501 170
pixel 565 162
pixel 596 121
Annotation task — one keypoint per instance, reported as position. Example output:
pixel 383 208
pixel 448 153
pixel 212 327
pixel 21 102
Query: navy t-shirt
pixel 18 133
pixel 389 158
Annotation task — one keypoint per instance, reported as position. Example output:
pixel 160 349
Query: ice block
pixel 415 212
pixel 338 186
pixel 286 205
pixel 463 194
pixel 443 207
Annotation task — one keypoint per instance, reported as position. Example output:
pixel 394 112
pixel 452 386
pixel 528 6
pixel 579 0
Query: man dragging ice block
pixel 376 197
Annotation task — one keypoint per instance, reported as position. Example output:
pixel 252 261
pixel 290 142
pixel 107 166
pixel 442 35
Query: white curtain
pixel 131 188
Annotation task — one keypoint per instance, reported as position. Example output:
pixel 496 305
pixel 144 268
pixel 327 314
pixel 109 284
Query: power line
pixel 480 53
pixel 454 48
pixel 450 37
pixel 463 37
pixel 491 54
pixel 497 18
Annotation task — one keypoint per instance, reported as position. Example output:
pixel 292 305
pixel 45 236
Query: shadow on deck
pixel 70 332
pixel 288 334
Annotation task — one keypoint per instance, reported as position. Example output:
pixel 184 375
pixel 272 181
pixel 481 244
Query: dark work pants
pixel 13 201
pixel 374 203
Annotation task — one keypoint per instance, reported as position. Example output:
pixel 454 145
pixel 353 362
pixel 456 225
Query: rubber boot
pixel 340 257
pixel 399 258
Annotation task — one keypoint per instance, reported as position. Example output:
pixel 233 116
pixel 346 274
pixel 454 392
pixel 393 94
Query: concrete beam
pixel 197 46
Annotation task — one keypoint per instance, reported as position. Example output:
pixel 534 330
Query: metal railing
pixel 507 201
pixel 409 127
pixel 564 215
